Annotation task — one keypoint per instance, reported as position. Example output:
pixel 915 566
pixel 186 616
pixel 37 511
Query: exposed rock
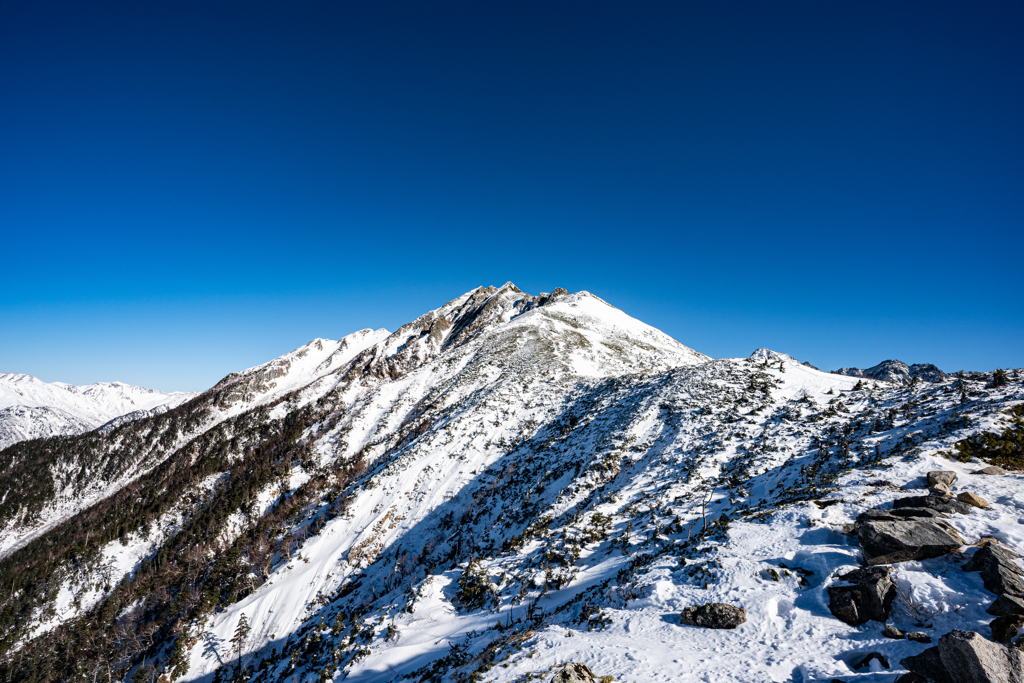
pixel 967 657
pixel 574 673
pixel 934 502
pixel 998 570
pixel 876 515
pixel 888 542
pixel 911 677
pixel 945 477
pixel 891 631
pixel 714 615
pixel 1006 605
pixel 1004 629
pixel 989 553
pixel 940 490
pixel 866 660
pixel 918 512
pixel 896 371
pixel 928 665
pixel 991 470
pixel 972 499
pixel 986 540
pixel 869 597
pixel 919 637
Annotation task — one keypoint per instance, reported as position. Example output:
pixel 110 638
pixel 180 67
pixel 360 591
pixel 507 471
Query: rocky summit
pixel 520 487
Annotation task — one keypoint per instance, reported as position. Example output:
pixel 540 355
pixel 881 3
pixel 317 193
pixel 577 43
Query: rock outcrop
pixel 937 503
pixel 967 657
pixel 884 542
pixel 714 615
pixel 868 597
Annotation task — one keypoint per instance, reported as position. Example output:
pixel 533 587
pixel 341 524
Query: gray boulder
pixel 869 597
pixel 888 542
pixel 998 570
pixel 945 477
pixel 938 503
pixel 970 658
pixel 967 657
pixel 990 470
pixel 928 665
pixel 714 615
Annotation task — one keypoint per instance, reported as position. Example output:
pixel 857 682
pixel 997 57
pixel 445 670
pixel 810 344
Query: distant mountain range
pixel 33 409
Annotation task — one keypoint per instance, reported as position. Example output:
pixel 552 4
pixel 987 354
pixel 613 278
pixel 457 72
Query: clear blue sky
pixel 190 188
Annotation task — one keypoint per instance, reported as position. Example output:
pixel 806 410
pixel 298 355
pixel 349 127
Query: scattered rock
pixel 714 615
pixel 869 597
pixel 574 673
pixel 891 631
pixel 972 499
pixel 940 490
pixel 866 661
pixel 888 542
pixel 1006 605
pixel 939 503
pixel 990 470
pixel 944 477
pixel 1004 629
pixel 919 637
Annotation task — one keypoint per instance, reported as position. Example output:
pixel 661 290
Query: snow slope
pixel 33 409
pixel 511 482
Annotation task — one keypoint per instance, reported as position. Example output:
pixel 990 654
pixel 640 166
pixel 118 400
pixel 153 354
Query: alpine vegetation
pixel 516 487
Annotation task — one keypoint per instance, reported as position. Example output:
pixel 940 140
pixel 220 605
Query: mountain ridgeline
pixel 452 500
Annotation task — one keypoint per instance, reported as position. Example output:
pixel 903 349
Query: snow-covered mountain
pixel 33 409
pixel 506 484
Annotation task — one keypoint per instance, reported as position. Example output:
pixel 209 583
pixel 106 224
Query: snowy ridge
pixel 33 409
pixel 508 483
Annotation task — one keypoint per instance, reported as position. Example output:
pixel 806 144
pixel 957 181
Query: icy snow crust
pixel 33 409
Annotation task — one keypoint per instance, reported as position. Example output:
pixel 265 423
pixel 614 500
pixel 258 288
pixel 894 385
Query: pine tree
pixel 238 640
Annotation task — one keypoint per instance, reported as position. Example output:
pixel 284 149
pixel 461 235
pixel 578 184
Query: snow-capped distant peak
pixel 31 408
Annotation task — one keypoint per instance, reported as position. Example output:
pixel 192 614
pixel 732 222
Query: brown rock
pixel 1004 629
pixel 972 499
pixel 574 673
pixel 891 631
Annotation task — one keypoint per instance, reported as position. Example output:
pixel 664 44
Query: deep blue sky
pixel 190 188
